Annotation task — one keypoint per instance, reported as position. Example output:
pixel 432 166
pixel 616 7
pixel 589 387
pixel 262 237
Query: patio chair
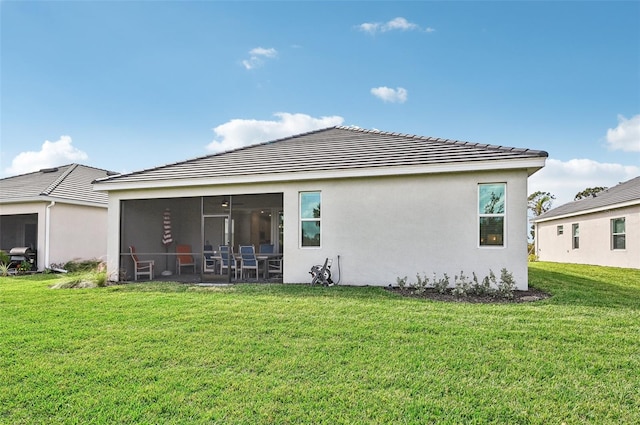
pixel 141 268
pixel 184 258
pixel 249 260
pixel 227 259
pixel 266 248
pixel 208 260
pixel 274 266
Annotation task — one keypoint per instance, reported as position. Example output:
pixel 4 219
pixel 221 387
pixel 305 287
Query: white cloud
pixel 396 24
pixel 387 94
pixel 565 179
pixel 52 154
pixel 399 24
pixel 257 56
pixel 242 132
pixel 626 136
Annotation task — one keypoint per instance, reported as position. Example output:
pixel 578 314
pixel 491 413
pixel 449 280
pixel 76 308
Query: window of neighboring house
pixel 310 219
pixel 618 234
pixel 491 213
pixel 575 233
pixel 560 230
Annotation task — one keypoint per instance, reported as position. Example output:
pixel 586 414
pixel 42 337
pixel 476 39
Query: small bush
pixel 441 285
pixel 421 283
pixel 506 285
pixel 4 258
pixel 481 288
pixel 101 279
pixel 462 286
pixel 401 282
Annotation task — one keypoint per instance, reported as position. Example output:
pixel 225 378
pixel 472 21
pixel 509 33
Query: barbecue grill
pixel 22 253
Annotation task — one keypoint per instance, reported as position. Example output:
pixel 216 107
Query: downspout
pixel 47 233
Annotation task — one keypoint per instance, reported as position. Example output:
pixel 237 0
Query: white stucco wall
pixel 77 232
pixel 383 227
pixel 595 239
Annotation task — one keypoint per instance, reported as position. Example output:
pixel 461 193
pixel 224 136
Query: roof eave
pixel 44 198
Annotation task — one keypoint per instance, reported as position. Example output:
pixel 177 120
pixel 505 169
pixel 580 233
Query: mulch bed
pixel 531 295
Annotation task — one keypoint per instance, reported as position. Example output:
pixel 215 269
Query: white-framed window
pixel 310 219
pixel 492 213
pixel 575 236
pixel 560 230
pixel 618 233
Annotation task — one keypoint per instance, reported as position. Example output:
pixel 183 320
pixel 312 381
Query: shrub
pixel 462 286
pixel 421 283
pixel 401 282
pixel 441 285
pixel 101 279
pixel 4 269
pixel 481 288
pixel 4 258
pixel 506 285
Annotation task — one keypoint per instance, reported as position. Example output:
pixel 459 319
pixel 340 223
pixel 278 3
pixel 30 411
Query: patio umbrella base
pixel 166 273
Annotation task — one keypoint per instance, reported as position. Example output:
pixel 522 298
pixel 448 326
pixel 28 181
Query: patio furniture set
pixel 265 262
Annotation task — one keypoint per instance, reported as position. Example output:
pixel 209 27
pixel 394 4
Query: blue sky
pixel 130 85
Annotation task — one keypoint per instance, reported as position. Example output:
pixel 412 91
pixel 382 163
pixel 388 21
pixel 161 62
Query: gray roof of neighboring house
pixel 621 194
pixel 71 182
pixel 334 148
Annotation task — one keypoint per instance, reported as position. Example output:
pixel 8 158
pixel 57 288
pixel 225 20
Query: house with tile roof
pixel 601 230
pixel 55 212
pixel 379 205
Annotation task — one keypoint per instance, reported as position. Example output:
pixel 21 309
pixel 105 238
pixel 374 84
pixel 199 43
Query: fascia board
pixel 48 199
pixel 589 211
pixel 494 165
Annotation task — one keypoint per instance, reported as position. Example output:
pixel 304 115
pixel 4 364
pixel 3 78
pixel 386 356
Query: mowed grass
pixel 171 353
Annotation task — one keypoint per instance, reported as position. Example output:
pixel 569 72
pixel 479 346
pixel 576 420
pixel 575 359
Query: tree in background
pixel 538 203
pixel 589 192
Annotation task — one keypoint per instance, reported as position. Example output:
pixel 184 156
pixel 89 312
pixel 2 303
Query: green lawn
pixel 169 353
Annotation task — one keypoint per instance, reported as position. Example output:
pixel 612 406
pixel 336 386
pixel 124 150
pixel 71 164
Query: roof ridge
pixel 59 180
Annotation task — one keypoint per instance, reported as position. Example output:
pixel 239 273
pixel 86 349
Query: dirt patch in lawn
pixel 530 295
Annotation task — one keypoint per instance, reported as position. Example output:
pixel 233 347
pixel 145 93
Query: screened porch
pixel 182 237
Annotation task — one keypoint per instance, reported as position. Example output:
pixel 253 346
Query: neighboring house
pixel 55 212
pixel 602 230
pixel 387 205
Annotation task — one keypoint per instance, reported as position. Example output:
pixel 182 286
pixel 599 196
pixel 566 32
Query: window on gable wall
pixel 618 234
pixel 575 236
pixel 560 230
pixel 491 213
pixel 310 219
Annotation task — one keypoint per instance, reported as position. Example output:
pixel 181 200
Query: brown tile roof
pixel 334 148
pixel 623 193
pixel 71 182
